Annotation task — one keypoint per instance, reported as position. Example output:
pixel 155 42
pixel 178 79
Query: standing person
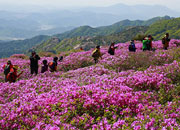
pixel 12 75
pixel 7 69
pixel 111 49
pixel 132 46
pixel 44 67
pixel 150 38
pixel 146 44
pixel 34 63
pixel 96 54
pixel 165 41
pixel 53 65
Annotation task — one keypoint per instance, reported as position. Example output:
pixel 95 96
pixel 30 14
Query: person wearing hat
pixel 165 41
pixel 34 58
pixel 12 75
pixel 7 69
pixel 96 54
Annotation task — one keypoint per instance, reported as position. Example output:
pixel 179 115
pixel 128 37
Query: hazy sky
pixel 173 4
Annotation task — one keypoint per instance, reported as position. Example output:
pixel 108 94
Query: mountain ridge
pixel 26 24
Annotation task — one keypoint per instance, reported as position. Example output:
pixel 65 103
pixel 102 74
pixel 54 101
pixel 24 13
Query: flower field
pixel 127 91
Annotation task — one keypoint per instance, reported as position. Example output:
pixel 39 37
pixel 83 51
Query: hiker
pixel 165 41
pixel 132 47
pixel 81 49
pixel 34 63
pixel 12 75
pixel 96 54
pixel 146 44
pixel 7 69
pixel 149 46
pixel 44 67
pixel 60 58
pixel 53 65
pixel 111 49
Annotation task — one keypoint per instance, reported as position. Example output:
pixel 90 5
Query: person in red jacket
pixel 7 69
pixel 12 75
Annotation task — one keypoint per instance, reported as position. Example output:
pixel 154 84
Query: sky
pixel 173 4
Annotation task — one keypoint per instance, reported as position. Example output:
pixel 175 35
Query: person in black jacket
pixel 34 63
pixel 111 49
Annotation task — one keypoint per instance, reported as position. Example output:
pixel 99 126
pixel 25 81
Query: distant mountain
pixel 158 29
pixel 107 30
pixel 89 36
pixel 26 24
pixel 20 46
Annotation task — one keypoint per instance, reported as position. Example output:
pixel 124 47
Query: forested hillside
pixel 158 29
pixel 20 46
pixel 88 42
pixel 107 30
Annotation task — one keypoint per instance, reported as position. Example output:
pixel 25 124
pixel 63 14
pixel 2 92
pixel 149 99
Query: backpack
pixel 6 69
pixel 130 47
pixel 51 65
pixel 95 53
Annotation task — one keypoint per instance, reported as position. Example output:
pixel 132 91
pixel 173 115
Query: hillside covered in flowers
pixel 128 91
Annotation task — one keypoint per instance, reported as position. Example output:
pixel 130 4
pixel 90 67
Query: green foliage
pixel 139 37
pixel 158 29
pixel 140 61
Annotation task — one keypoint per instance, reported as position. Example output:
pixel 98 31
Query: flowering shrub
pixel 22 56
pixel 125 91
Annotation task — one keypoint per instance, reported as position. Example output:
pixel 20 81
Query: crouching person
pixel 7 69
pixel 12 75
pixel 44 67
pixel 53 65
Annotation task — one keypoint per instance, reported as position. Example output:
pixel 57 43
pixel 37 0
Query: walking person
pixel 96 54
pixel 165 41
pixel 34 58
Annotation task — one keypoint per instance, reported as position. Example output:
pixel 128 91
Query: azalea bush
pixel 133 91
